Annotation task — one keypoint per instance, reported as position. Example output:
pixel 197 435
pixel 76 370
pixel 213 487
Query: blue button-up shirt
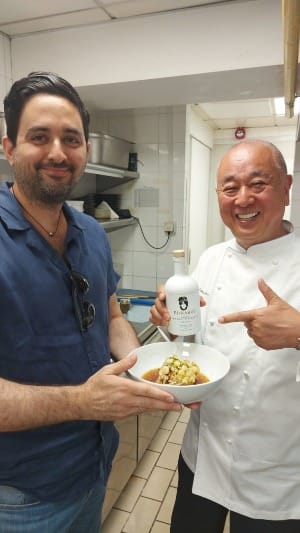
pixel 41 343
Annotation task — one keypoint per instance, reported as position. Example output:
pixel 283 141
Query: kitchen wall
pixel 295 208
pixel 5 83
pixel 5 68
pixel 157 196
pixel 202 52
pixel 162 137
pixel 199 144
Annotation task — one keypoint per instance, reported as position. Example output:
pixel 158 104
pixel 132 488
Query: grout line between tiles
pixel 169 425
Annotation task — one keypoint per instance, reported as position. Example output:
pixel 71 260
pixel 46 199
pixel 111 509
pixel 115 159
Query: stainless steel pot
pixel 108 150
pixel 2 124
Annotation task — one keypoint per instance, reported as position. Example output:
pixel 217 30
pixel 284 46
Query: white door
pixel 198 200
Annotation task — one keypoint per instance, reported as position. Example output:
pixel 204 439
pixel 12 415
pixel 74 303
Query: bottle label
pixel 184 310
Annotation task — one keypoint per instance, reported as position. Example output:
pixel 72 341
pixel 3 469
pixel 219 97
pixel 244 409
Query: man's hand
pixel 272 327
pixel 107 395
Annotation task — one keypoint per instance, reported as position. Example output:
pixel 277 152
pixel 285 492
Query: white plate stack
pixel 77 204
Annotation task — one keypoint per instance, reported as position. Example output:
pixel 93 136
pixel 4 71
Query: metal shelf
pixel 113 225
pixel 109 177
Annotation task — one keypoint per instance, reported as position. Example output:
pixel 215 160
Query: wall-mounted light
pixel 279 105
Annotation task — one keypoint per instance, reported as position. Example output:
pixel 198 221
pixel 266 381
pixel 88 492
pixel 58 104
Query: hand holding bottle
pixel 159 314
pixel 178 303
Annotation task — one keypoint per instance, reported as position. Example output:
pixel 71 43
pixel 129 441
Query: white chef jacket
pixel 243 443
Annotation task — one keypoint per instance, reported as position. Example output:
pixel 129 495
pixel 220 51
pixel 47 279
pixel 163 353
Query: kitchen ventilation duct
pixel 291 22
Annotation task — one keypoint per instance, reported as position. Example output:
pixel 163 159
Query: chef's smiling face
pixel 252 192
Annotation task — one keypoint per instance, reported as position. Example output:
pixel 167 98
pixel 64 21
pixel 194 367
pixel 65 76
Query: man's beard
pixel 38 189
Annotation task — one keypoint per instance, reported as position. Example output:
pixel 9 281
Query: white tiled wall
pixel 295 207
pixel 5 68
pixel 159 136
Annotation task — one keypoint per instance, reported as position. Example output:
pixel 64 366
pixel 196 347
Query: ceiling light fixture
pixel 279 105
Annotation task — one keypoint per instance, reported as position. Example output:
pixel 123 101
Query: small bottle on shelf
pixel 182 299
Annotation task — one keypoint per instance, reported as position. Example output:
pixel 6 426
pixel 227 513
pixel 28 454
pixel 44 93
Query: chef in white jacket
pixel 241 449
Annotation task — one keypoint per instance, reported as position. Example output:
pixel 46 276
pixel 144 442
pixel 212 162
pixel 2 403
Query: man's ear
pixel 8 149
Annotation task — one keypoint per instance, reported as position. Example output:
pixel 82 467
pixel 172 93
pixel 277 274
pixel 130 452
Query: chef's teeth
pixel 245 217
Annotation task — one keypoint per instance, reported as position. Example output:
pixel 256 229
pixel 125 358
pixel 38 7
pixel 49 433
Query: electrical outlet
pixel 169 227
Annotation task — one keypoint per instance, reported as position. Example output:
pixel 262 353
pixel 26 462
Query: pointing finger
pixel 242 316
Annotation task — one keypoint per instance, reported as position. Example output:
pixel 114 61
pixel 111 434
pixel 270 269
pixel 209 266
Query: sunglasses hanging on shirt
pixel 85 311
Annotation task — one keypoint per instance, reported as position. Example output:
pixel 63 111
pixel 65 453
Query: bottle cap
pixel 178 253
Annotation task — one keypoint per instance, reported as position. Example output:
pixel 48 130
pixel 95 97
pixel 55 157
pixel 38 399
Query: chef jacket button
pixel 219 287
pixel 205 424
pixel 229 441
pixel 246 374
pixel 212 322
pixel 236 408
pixel 229 254
pixel 275 262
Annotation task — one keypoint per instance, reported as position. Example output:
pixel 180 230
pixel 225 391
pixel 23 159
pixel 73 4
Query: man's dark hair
pixel 35 83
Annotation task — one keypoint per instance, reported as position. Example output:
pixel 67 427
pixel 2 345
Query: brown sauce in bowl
pixel 151 375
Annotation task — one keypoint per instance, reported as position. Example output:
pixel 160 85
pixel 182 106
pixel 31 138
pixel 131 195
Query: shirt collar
pixel 267 247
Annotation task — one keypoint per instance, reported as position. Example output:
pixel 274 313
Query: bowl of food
pixel 190 372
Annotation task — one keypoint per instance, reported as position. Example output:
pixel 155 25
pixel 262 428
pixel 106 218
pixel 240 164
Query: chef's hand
pixel 159 314
pixel 108 396
pixel 272 327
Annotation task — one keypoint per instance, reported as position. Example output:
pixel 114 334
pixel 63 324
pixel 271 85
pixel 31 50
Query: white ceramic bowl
pixel 214 364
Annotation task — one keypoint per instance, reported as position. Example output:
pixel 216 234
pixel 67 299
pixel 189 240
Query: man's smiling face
pixel 51 151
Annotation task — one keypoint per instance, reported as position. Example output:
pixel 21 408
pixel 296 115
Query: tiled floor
pixel 147 500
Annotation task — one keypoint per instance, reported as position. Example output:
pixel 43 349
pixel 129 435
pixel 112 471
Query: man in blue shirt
pixel 60 321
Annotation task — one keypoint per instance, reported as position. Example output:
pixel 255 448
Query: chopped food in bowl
pixel 177 367
pixel 176 371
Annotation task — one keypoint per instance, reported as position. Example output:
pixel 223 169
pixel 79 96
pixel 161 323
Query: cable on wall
pixel 146 240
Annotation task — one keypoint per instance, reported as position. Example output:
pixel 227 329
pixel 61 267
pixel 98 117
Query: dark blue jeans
pixel 20 513
pixel 195 514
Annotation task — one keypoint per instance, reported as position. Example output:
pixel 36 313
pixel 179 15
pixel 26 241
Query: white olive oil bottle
pixel 182 299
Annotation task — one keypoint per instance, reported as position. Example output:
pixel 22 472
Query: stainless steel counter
pixel 138 314
pixel 144 330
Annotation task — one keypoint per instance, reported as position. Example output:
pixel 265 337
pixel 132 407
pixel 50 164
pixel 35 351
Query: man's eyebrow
pixel 35 129
pixel 228 179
